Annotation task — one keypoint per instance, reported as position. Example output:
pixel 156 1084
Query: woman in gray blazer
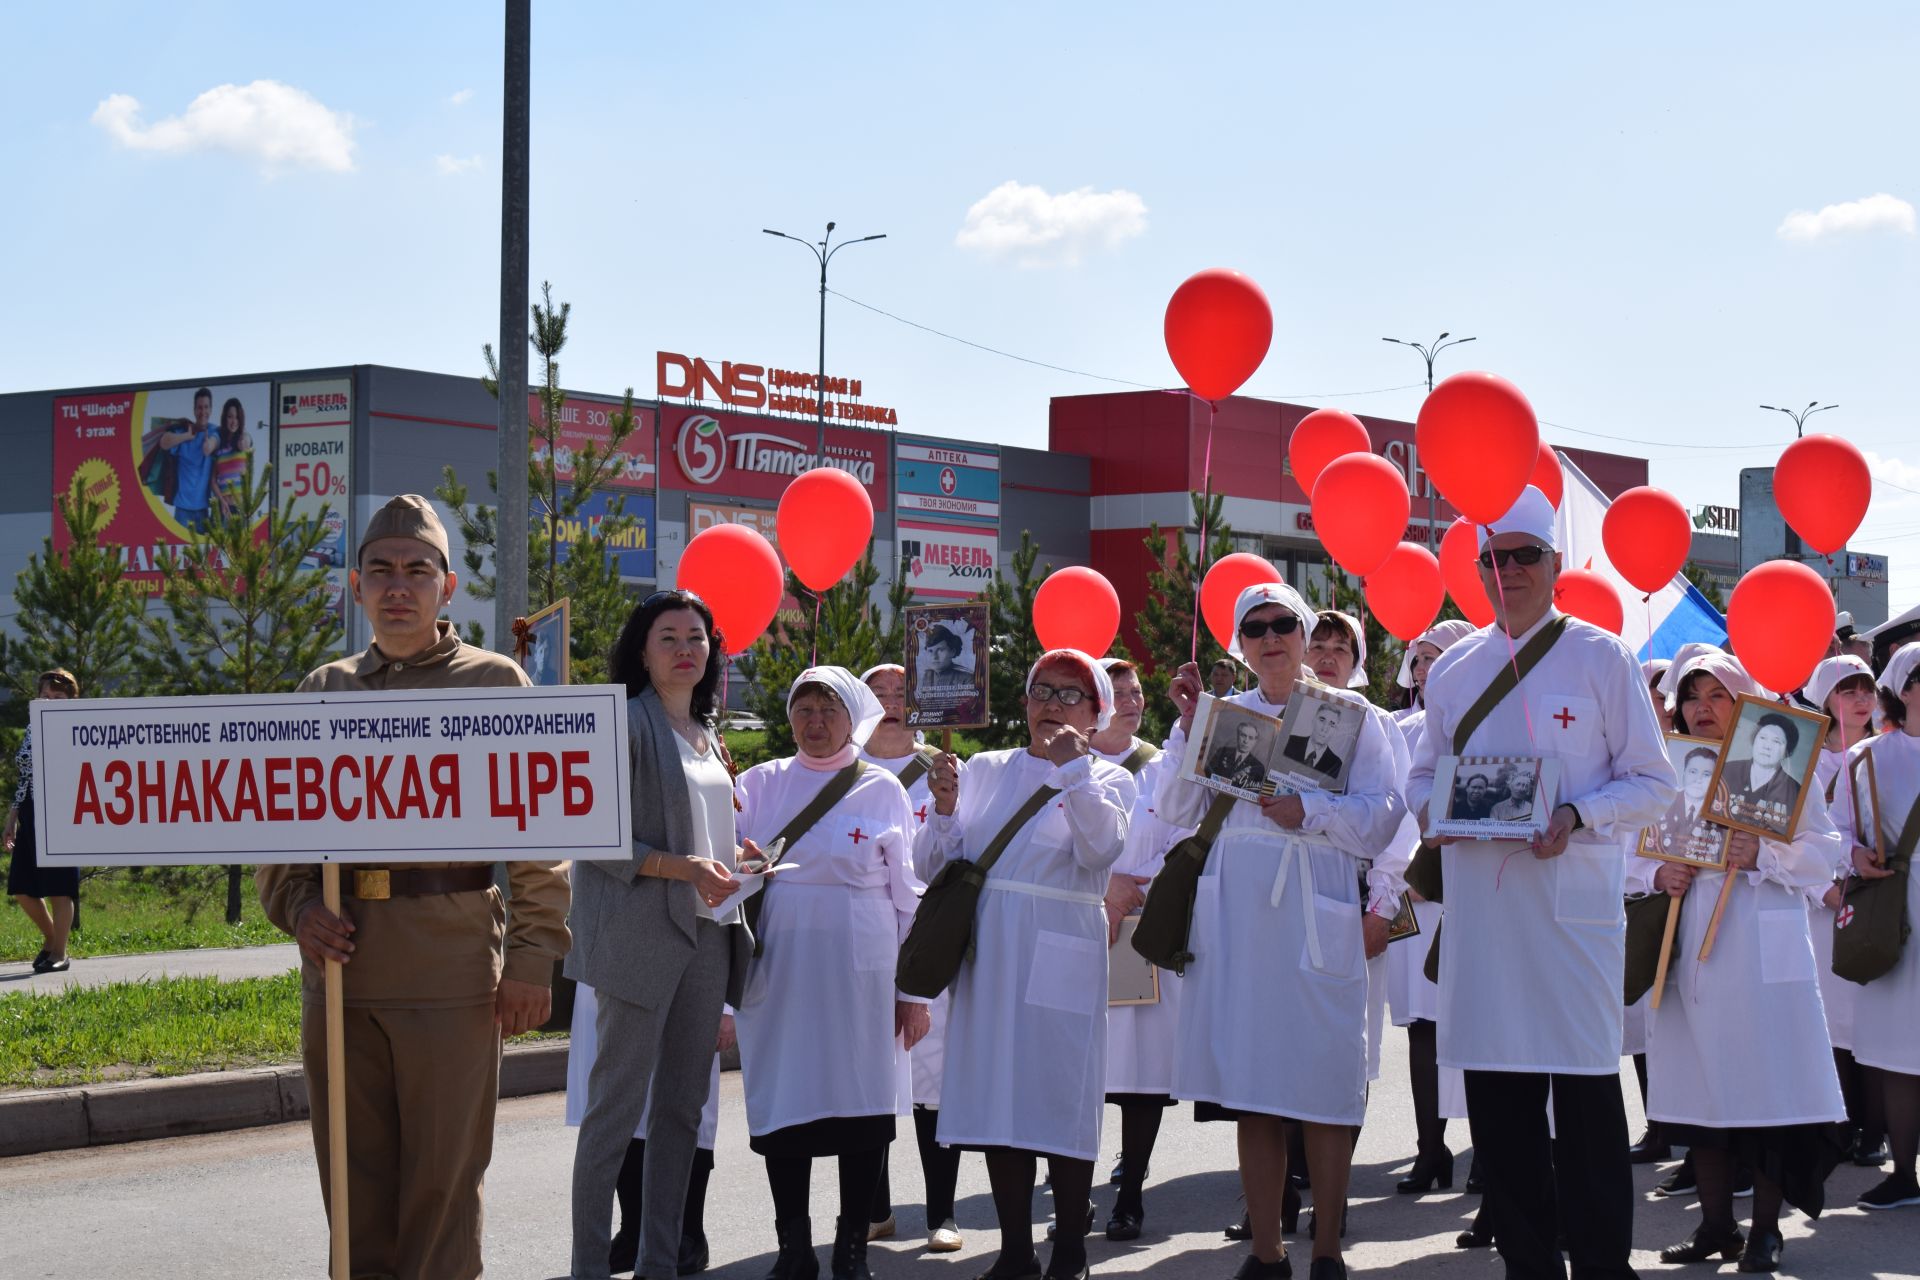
pixel 657 938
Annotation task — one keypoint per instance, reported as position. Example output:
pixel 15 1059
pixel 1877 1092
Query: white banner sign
pixel 424 775
pixel 947 562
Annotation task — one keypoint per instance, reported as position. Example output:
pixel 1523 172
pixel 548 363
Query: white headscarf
pixel 862 707
pixel 1530 514
pixel 1441 635
pixel 1900 666
pixel 1688 652
pixel 1258 596
pixel 1719 664
pixel 1095 673
pixel 1828 675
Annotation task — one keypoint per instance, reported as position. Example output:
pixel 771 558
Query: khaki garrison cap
pixel 409 515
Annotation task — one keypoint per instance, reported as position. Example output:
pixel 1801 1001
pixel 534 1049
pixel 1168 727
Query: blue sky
pixel 1598 195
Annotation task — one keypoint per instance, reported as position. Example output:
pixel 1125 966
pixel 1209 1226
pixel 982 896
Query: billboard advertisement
pixel 158 461
pixel 631 549
pixel 946 561
pixel 583 421
pixel 315 470
pixel 957 484
pixel 743 457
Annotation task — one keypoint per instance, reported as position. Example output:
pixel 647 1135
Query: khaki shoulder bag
pixel 1870 929
pixel 1166 921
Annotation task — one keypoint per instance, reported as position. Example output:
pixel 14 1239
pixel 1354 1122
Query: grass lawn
pixel 166 1027
pixel 121 914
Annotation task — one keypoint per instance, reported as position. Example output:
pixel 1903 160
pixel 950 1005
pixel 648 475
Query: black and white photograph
pixel 1766 766
pixel 1234 749
pixel 1323 730
pixel 1493 797
pixel 947 659
pixel 1684 832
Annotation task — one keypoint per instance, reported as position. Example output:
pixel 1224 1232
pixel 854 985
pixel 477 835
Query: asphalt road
pixel 247 1204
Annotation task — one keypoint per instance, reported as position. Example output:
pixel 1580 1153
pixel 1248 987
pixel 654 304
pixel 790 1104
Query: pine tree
pixel 1165 622
pixel 245 615
pixel 1336 590
pixel 1016 646
pixel 75 609
pixel 587 574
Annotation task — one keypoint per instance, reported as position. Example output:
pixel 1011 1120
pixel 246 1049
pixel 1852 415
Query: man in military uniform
pixel 429 994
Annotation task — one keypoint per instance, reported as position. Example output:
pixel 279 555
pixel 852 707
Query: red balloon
pixel 1220 590
pixel 824 522
pixel 1360 507
pixel 1822 486
pixel 1547 476
pixel 1648 537
pixel 1479 442
pixel 1218 329
pixel 1780 621
pixel 1460 571
pixel 1405 592
pixel 1076 608
pixel 737 573
pixel 1320 437
pixel 1588 596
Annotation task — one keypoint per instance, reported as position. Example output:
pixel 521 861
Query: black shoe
pixel 1428 1172
pixel 1649 1150
pixel 1327 1269
pixel 1082 1273
pixel 1125 1224
pixel 41 961
pixel 693 1255
pixel 1252 1268
pixel 1680 1182
pixel 1119 1166
pixel 1476 1181
pixel 1703 1244
pixel 1873 1157
pixel 1032 1272
pixel 1762 1252
pixel 1896 1191
pixel 850 1248
pixel 1243 1229
pixel 625 1253
pixel 1474 1237
pixel 58 966
pixel 796 1259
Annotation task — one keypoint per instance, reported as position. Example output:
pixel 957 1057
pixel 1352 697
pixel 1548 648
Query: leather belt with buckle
pixel 375 884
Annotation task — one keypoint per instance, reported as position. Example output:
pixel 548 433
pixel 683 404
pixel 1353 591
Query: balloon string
pixel 1513 654
pixel 1206 509
pixel 816 632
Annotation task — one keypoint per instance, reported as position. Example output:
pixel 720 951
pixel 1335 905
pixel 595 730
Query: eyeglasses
pixel 1284 625
pixel 1045 693
pixel 1528 556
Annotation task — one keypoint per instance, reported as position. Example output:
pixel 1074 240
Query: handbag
pixel 815 809
pixel 1166 921
pixel 1646 930
pixel 940 939
pixel 1870 929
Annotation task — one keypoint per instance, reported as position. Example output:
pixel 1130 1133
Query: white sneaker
pixel 881 1230
pixel 944 1238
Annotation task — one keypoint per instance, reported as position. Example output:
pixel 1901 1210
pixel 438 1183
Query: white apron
pixel 926 1059
pixel 1836 993
pixel 816 1021
pixel 1026 1037
pixel 584 1044
pixel 1886 1011
pixel 1141 1038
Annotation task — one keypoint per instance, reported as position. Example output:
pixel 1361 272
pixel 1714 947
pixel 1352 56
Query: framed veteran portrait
pixel 1766 767
pixel 1684 832
pixel 1323 730
pixel 1492 797
pixel 947 665
pixel 1233 749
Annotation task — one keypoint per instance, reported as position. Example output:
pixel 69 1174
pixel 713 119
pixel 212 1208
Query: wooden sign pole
pixel 342 1263
pixel 1666 949
pixel 1719 909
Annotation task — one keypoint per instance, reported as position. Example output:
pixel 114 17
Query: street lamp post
pixel 1800 416
pixel 1428 350
pixel 824 253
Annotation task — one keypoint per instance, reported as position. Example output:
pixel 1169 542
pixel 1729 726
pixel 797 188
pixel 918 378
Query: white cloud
pixel 460 98
pixel 277 124
pixel 448 165
pixel 1893 470
pixel 1043 229
pixel 1875 213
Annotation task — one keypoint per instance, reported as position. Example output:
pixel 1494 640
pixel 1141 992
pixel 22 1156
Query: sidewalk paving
pixel 226 963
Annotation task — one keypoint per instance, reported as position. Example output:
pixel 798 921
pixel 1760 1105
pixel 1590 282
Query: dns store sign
pixel 763 388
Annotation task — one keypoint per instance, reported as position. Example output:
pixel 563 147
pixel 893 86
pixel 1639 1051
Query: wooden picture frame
pixel 1689 838
pixel 543 647
pixel 1132 979
pixel 1403 924
pixel 1762 727
pixel 943 691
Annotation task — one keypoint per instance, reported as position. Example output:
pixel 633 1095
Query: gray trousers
pixel 671 1046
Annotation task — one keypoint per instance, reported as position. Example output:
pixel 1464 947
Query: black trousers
pixel 1577 1183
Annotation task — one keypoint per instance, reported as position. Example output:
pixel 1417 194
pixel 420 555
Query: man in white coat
pixel 1553 1022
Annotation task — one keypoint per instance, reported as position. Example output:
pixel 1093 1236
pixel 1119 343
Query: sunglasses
pixel 1042 694
pixel 1528 556
pixel 1284 625
pixel 684 597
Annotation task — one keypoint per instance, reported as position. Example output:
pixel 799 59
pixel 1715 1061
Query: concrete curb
pixel 95 1115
